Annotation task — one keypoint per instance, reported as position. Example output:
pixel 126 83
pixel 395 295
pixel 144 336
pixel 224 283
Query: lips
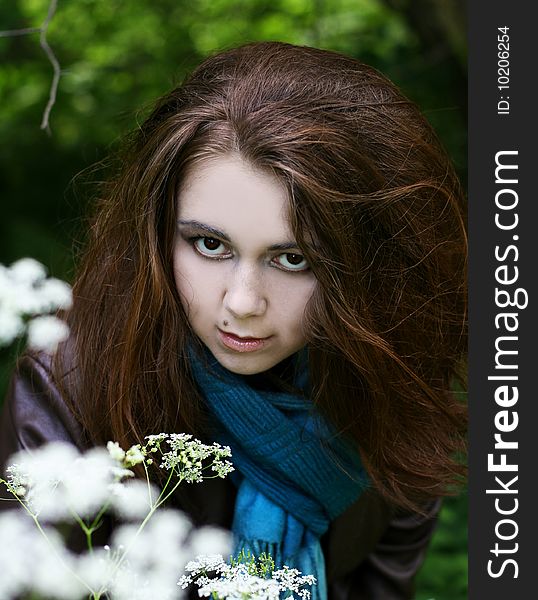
pixel 244 338
pixel 241 344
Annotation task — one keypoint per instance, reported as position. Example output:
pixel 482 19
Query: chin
pixel 245 364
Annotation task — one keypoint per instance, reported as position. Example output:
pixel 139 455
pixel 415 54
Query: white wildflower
pixel 57 483
pixel 206 563
pixel 134 456
pixel 156 438
pixel 55 294
pixel 115 451
pixel 133 500
pixel 46 332
pixel 247 577
pixel 291 580
pixel 129 584
pixel 139 585
pixel 31 563
pixel 238 584
pixel 60 481
pixel 40 471
pixel 87 484
pixel 210 540
pixel 157 553
pixel 167 530
pixel 27 271
pixel 186 580
pixel 17 480
pixel 121 473
pixel 222 467
pixel 97 568
pixel 25 292
pixel 188 456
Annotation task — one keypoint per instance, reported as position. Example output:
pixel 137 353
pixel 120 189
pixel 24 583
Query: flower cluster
pixel 187 456
pixel 56 485
pixel 136 565
pixel 293 582
pixel 25 292
pixel 34 562
pixel 57 481
pixel 247 577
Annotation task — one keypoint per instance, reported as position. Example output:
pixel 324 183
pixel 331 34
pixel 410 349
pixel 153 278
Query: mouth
pixel 241 344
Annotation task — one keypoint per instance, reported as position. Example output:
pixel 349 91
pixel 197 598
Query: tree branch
pixel 15 32
pixel 55 65
pixel 43 30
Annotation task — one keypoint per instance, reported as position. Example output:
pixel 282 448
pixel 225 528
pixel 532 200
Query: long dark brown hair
pixel 376 198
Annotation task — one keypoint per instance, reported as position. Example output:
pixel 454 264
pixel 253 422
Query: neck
pixel 279 378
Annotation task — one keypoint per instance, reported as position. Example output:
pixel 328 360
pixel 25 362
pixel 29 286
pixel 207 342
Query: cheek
pixel 292 307
pixel 199 286
pixel 187 275
pixel 183 279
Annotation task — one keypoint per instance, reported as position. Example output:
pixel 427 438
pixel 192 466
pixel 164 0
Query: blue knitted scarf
pixel 294 476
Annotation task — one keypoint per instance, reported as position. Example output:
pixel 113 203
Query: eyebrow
pixel 203 227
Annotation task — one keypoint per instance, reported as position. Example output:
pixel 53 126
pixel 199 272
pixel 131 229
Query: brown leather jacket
pixel 372 551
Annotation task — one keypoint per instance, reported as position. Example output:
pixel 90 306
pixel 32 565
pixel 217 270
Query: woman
pixel 279 263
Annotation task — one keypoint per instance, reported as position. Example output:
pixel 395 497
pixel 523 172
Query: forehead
pixel 229 194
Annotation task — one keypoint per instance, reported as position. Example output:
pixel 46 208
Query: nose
pixel 245 295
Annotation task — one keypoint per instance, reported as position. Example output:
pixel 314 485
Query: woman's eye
pixel 208 246
pixel 291 262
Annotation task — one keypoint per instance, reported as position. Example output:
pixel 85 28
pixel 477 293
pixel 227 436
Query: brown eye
pixel 211 247
pixel 294 259
pixel 291 262
pixel 211 243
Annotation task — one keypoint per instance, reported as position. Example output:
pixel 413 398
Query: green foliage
pixel 261 566
pixel 444 574
pixel 117 56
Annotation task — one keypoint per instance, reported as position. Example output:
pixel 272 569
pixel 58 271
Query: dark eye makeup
pixel 214 248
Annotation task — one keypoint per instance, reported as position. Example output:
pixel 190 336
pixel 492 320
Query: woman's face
pixel 240 274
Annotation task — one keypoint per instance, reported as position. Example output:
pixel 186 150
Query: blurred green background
pixel 117 56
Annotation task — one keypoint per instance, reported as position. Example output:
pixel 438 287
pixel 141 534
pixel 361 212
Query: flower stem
pixel 43 533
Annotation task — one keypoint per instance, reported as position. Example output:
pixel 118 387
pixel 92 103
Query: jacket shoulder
pixel 34 411
pixel 376 550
